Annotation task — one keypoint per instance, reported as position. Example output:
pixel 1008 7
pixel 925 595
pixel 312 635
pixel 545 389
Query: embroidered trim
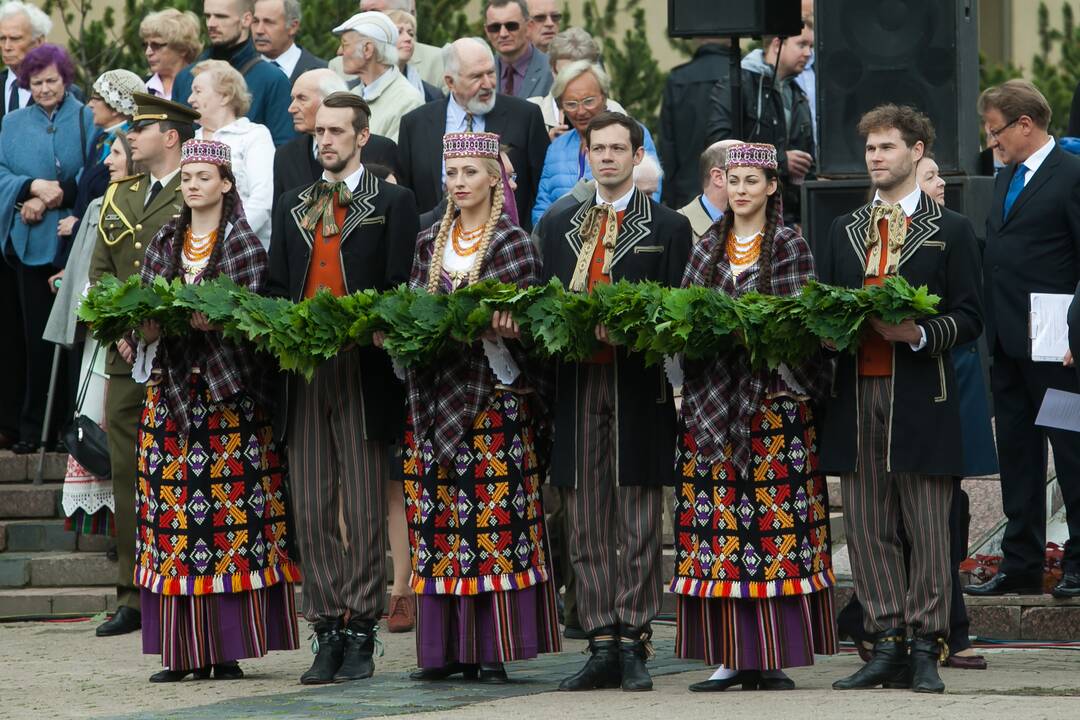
pixel 216 584
pixel 478 585
pixel 744 590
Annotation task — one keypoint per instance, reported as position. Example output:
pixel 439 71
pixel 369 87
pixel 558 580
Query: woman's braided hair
pixel 494 168
pixel 229 203
pixel 773 220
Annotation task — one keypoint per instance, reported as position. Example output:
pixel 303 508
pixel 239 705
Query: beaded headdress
pixel 759 155
pixel 205 151
pixel 466 144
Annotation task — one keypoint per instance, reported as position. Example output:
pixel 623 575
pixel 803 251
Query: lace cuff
pixel 501 361
pixel 144 361
pixel 674 370
pixel 789 379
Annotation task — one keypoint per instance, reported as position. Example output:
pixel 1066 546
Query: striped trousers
pixel 916 596
pixel 614 532
pixel 332 465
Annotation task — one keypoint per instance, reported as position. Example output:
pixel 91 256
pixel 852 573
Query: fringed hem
pixel 759 589
pixel 216 584
pixel 478 585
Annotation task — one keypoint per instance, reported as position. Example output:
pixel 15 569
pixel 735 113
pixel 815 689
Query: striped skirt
pixel 193 631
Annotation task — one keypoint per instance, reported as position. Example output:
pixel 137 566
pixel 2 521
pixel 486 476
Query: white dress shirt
pixel 24 95
pixel 620 203
pixel 252 150
pixel 1036 159
pixel 352 181
pixel 286 61
pixel 164 181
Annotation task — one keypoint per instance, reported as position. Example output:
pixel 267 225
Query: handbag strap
pixel 86 382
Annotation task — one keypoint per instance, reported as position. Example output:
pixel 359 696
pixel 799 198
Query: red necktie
pixel 508 80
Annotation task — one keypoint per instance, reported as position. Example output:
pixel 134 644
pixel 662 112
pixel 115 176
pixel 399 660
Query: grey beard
pixel 478 107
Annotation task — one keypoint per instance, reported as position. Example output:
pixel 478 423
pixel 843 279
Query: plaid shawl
pixel 446 397
pixel 228 367
pixel 721 396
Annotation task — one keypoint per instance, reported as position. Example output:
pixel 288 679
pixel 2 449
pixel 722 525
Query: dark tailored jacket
pixel 767 126
pixel 377 241
pixel 653 244
pixel 307 61
pixel 940 251
pixel 682 133
pixel 1037 249
pixel 295 165
pixel 519 124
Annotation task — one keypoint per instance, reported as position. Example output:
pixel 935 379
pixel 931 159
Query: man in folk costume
pixel 614 417
pixel 347 232
pixel 133 211
pixel 892 423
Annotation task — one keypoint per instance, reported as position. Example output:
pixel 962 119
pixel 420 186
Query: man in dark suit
pixel 296 163
pixel 348 231
pixel 614 417
pixel 274 26
pixel 523 69
pixel 1032 245
pixel 472 105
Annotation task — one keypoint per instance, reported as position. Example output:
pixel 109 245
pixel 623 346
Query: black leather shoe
pixel 469 672
pixel 124 621
pixel 228 671
pixel 358 661
pixel 749 679
pixel 574 632
pixel 888 666
pixel 329 649
pixel 493 675
pixel 603 669
pixel 634 650
pixel 1004 584
pixel 170 676
pixel 25 447
pixel 926 652
pixel 776 682
pixel 1069 587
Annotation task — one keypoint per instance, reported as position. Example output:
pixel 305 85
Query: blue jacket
pixel 561 167
pixel 34 146
pixel 268 86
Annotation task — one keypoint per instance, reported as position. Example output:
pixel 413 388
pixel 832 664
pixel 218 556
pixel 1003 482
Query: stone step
pixel 47 534
pixel 836 528
pixel 22 468
pixel 836 502
pixel 56 569
pixel 26 500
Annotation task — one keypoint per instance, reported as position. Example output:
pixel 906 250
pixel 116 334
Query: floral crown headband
pixel 759 155
pixel 205 151
pixel 485 145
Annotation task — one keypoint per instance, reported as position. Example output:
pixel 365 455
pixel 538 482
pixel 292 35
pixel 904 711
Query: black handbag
pixel 84 439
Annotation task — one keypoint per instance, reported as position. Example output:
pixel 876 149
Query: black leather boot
pixel 359 661
pixel 634 649
pixel 603 669
pixel 926 652
pixel 329 647
pixel 888 666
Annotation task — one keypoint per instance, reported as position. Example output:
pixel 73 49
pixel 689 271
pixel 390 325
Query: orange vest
pixel 325 270
pixel 875 352
pixel 605 354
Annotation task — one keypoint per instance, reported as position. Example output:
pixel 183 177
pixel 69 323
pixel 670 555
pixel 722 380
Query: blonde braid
pixel 489 231
pixel 436 264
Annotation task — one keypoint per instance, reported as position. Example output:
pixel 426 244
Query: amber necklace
pixel 197 248
pixel 466 242
pixel 743 252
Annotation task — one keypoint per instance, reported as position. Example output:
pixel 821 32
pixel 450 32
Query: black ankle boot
pixel 888 667
pixel 170 676
pixel 634 649
pixel 603 669
pixel 359 661
pixel 926 652
pixel 329 649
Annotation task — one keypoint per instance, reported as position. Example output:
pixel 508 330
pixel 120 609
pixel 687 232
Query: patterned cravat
pixel 897 223
pixel 590 236
pixel 320 206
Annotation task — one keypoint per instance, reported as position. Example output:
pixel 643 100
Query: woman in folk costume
pixel 472 471
pixel 753 571
pixel 212 554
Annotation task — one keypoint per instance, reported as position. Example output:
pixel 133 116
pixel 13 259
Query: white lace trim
pixel 89 499
pixel 501 361
pixel 144 361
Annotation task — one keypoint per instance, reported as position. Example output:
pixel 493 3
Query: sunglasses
pixel 495 28
pixel 543 17
pixel 155 46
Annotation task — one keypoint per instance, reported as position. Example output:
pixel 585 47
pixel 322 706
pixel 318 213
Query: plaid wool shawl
pixel 228 367
pixel 720 396
pixel 447 396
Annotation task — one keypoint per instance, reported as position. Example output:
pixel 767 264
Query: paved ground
pixel 60 670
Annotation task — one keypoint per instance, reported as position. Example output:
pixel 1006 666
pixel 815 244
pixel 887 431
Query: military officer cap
pixel 152 109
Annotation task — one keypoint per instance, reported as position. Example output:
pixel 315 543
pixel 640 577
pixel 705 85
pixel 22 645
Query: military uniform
pixel 128 223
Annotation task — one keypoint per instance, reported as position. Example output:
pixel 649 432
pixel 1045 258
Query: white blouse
pixel 252 149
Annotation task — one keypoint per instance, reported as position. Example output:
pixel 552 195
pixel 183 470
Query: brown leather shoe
pixel 402 617
pixel 966 662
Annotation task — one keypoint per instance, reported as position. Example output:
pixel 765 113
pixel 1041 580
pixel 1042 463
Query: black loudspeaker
pixel 739 18
pixel 825 200
pixel 922 53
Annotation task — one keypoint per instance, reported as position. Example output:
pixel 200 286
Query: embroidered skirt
pixel 211 506
pixel 478 543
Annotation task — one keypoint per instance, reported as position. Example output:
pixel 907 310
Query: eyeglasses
pixel 543 17
pixel 993 134
pixel 154 46
pixel 589 103
pixel 495 28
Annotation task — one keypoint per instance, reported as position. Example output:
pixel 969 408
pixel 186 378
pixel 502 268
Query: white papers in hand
pixel 1049 326
pixel 1060 409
